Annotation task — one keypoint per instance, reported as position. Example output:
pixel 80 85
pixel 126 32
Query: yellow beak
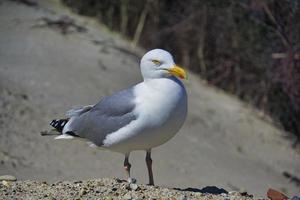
pixel 178 71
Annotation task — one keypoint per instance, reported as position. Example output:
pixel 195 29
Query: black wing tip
pixel 72 134
pixel 59 124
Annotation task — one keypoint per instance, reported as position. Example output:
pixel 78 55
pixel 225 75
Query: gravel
pixel 7 178
pixel 103 189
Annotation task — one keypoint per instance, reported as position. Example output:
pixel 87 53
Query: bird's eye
pixel 157 62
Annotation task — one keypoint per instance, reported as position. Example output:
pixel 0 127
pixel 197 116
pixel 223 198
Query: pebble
pixel 75 182
pixel 182 198
pixel 127 197
pixel 224 195
pixel 276 195
pixel 7 178
pixel 6 183
pixel 82 192
pixel 233 193
pixel 102 189
pixel 133 186
pixel 295 198
pixel 131 180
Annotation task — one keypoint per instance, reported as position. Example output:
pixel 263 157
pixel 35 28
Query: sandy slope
pixel 44 72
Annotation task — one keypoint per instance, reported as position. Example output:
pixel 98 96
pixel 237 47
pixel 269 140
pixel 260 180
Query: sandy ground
pixel 44 72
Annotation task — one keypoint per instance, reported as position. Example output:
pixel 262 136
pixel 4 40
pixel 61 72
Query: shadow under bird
pixel 141 117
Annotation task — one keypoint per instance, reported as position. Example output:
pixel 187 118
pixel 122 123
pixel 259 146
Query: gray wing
pixel 107 116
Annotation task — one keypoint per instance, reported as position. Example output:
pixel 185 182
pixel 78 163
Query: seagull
pixel 141 117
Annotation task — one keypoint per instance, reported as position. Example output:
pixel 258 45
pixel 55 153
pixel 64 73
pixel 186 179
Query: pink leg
pixel 149 166
pixel 127 166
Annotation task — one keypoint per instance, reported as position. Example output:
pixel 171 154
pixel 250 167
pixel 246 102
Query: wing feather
pixel 109 115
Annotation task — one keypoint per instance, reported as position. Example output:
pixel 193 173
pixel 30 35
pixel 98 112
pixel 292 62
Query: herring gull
pixel 141 117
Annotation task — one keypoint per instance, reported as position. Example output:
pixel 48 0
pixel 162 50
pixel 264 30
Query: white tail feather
pixel 64 136
pixel 91 144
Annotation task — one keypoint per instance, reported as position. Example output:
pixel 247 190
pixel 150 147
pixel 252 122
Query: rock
pixel 7 178
pixel 276 195
pixel 182 198
pixel 127 196
pixel 224 195
pixel 133 186
pixel 6 183
pixel 233 193
pixel 295 198
pixel 83 191
pixel 131 180
pixel 102 190
pixel 77 182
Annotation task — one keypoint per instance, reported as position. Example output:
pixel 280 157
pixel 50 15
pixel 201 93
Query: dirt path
pixel 48 66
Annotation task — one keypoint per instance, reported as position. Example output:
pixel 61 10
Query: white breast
pixel 161 110
pixel 158 99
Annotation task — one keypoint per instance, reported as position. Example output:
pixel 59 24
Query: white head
pixel 159 63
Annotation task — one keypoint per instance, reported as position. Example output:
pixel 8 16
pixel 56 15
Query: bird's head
pixel 159 63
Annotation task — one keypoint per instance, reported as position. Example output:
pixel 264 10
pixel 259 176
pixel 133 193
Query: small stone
pixel 7 178
pixel 76 182
pixel 109 191
pixel 119 180
pixel 127 197
pixel 6 183
pixel 131 180
pixel 102 189
pixel 276 195
pixel 295 198
pixel 182 198
pixel 133 186
pixel 82 192
pixel 224 194
pixel 243 191
pixel 233 193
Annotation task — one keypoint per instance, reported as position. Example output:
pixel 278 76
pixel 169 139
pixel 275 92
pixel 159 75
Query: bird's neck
pixel 173 78
pixel 163 83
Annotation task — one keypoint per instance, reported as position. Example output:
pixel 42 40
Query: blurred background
pixel 243 128
pixel 249 48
